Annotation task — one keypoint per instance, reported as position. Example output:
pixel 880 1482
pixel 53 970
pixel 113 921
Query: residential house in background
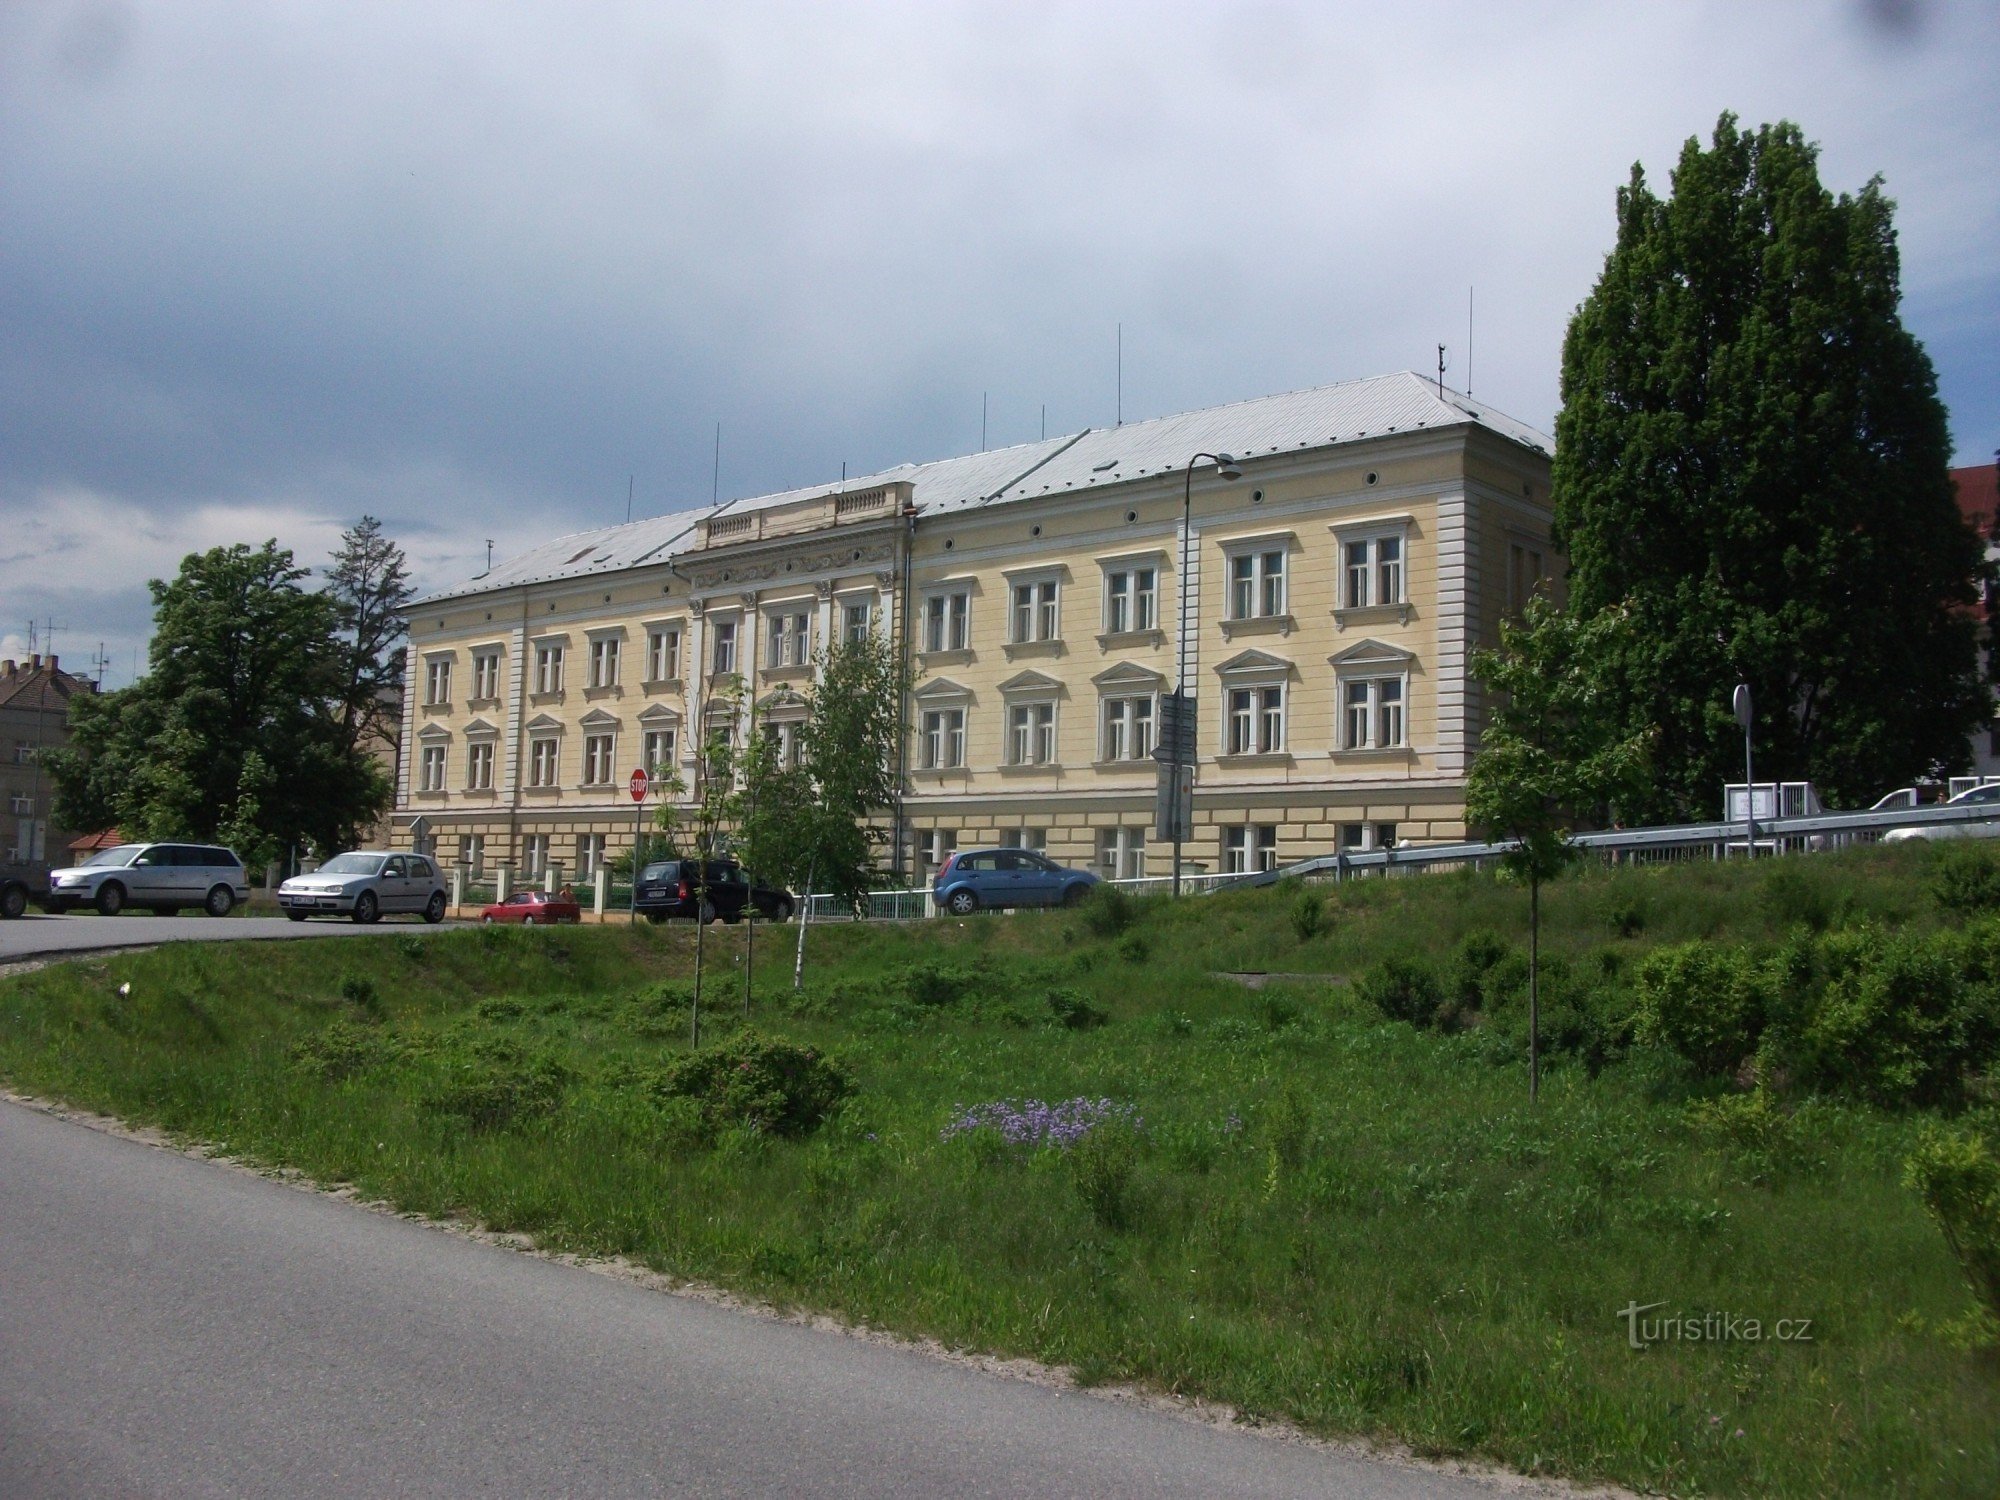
pixel 1978 489
pixel 34 717
pixel 1379 532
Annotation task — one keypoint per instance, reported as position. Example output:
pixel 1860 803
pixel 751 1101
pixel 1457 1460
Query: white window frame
pixel 437 682
pixel 660 747
pixel 472 853
pixel 486 676
pixel 600 757
pixel 725 647
pixel 1253 717
pixel 1248 848
pixel 534 856
pixel 947 622
pixel 663 652
pixel 868 605
pixel 1032 732
pixel 788 637
pixel 1127 724
pixel 548 667
pixel 1034 840
pixel 1034 613
pixel 942 736
pixel 1374 711
pixel 934 846
pixel 1374 567
pixel 1131 597
pixel 604 655
pixel 479 756
pixel 1257 579
pixel 589 854
pixel 1121 852
pixel 431 765
pixel 544 760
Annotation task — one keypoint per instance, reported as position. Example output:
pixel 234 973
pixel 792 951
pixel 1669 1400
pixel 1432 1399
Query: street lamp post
pixel 1184 719
pixel 1740 703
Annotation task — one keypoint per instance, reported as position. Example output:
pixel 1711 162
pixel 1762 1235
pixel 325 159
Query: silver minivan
pixel 158 877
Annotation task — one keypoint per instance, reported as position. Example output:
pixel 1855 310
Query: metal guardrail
pixel 1715 840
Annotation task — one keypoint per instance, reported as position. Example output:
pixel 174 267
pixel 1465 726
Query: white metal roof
pixel 1299 421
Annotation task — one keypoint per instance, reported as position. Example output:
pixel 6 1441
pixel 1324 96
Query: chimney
pixel 35 662
pixel 52 663
pixel 7 667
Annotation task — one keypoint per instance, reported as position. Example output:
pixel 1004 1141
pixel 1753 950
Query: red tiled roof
pixel 39 684
pixel 90 843
pixel 1978 496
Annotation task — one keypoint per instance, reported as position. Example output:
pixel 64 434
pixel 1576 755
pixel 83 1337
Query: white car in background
pixel 154 877
pixel 367 885
pixel 1988 795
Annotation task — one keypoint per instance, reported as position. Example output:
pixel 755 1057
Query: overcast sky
pixel 471 266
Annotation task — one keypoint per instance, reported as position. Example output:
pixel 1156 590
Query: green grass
pixel 1325 1217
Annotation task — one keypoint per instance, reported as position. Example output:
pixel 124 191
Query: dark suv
pixel 673 888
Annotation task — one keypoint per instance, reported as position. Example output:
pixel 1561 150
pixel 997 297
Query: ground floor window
pixel 589 854
pixel 472 853
pixel 1121 853
pixel 1249 847
pixel 1034 839
pixel 1356 837
pixel 934 847
pixel 534 856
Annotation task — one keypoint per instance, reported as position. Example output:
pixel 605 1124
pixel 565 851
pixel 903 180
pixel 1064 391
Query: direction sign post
pixel 1173 811
pixel 639 782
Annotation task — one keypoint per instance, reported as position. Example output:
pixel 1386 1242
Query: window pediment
pixel 544 724
pixel 1129 676
pixel 659 713
pixel 597 718
pixel 1031 682
pixel 942 690
pixel 1255 663
pixel 433 732
pixel 478 728
pixel 1372 653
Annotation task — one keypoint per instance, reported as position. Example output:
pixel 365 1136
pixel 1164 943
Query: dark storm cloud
pixel 470 266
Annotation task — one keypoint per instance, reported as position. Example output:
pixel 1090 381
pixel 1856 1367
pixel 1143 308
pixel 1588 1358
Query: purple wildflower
pixel 1032 1124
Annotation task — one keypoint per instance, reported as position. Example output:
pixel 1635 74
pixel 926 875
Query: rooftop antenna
pixel 982 421
pixel 1121 374
pixel 1468 343
pixel 628 499
pixel 489 554
pixel 98 663
pixel 715 485
pixel 1443 365
pixel 1045 419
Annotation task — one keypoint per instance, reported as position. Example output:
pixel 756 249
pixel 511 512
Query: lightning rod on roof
pixel 1468 343
pixel 628 499
pixel 715 483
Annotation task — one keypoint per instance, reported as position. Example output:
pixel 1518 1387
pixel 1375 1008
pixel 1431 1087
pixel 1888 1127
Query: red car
pixel 531 907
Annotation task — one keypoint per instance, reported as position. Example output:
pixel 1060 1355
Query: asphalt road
pixel 174 1327
pixel 37 934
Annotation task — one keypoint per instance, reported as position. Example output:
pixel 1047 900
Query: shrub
pixel 1309 915
pixel 1705 1001
pixel 1102 1168
pixel 1958 1177
pixel 340 1051
pixel 1899 1029
pixel 1793 898
pixel 1964 878
pixel 1072 1009
pixel 1134 948
pixel 1109 911
pixel 495 1087
pixel 932 985
pixel 768 1085
pixel 359 990
pixel 1403 989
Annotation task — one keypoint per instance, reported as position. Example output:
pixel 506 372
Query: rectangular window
pixel 857 621
pixel 1128 728
pixel 1256 585
pixel 1374 571
pixel 724 656
pixel 944 738
pixel 433 768
pixel 437 682
pixel 1373 714
pixel 1385 835
pixel 1035 840
pixel 589 854
pixel 597 764
pixel 783 737
pixel 542 761
pixel 604 662
pixel 1524 576
pixel 1034 612
pixel 1031 734
pixel 1249 847
pixel 663 654
pixel 1256 722
pixel 948 622
pixel 934 847
pixel 548 669
pixel 486 674
pixel 661 746
pixel 472 853
pixel 1131 600
pixel 535 856
pixel 790 641
pixel 1121 853
pixel 479 766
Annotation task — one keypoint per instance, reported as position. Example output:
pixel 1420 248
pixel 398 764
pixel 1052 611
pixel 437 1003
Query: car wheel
pixel 961 903
pixel 110 899
pixel 528 920
pixel 783 912
pixel 366 908
pixel 434 910
pixel 221 901
pixel 13 901
pixel 1075 894
pixel 295 916
pixel 487 919
pixel 707 912
pixel 656 917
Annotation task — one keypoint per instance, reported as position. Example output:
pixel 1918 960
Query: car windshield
pixel 120 856
pixel 352 864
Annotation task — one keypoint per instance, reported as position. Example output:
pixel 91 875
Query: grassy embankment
pixel 1323 1216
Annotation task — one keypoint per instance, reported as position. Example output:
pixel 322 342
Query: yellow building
pixel 1377 533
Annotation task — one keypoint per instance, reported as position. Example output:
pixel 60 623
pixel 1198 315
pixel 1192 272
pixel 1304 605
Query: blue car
pixel 973 878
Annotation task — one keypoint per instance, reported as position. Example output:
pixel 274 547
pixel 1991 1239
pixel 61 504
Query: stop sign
pixel 639 783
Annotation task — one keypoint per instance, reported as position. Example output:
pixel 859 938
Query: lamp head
pixel 1228 467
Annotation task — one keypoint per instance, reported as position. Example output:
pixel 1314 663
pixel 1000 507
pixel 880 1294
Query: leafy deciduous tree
pixel 1752 458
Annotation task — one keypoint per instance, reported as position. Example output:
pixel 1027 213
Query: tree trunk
pixel 1534 988
pixel 700 927
pixel 805 916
